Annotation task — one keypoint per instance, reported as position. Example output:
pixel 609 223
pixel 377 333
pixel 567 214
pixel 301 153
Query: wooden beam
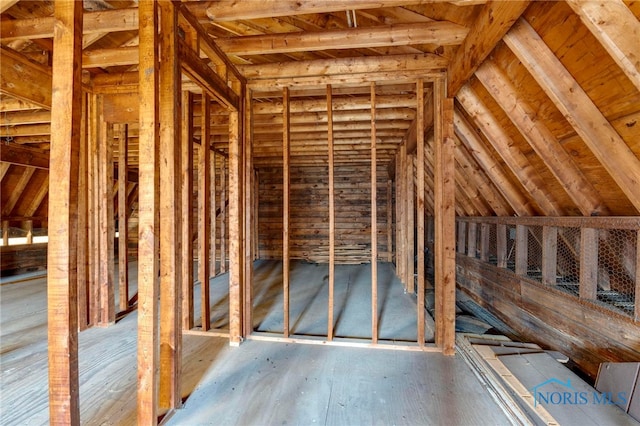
pixel 491 24
pixel 543 142
pixel 522 249
pixel 512 156
pixel 336 66
pixel 585 117
pixel 13 104
pixel 636 313
pixel 123 218
pixel 420 208
pixel 549 254
pixel 93 177
pixel 389 220
pixel 480 153
pixel 250 217
pixel 332 216
pixel 204 213
pixel 110 57
pixel 214 217
pixel 615 26
pixel 17 191
pixel 186 164
pixel 23 79
pixel 170 392
pixel 445 243
pixel 286 182
pixel 339 104
pixel 588 263
pixel 374 221
pixel 83 254
pixel 19 118
pixel 441 33
pixel 410 225
pixel 148 220
pixel 62 284
pixel 230 10
pixel 7 4
pixel 106 226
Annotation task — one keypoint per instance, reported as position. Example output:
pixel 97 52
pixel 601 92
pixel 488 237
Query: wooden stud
pixel 332 215
pixel 401 215
pixel 249 215
pixel 549 254
pixel 94 210
pixel 223 214
pixel 5 232
pixel 29 229
pixel 286 141
pixel 374 221
pixel 522 248
pixel 62 285
pixel 170 396
pixel 214 217
pixel 106 226
pixel 501 245
pixel 187 210
pixel 472 240
pixel 444 177
pixel 420 208
pixel 389 220
pixel 204 212
pixel 148 221
pixel 588 263
pixel 123 217
pixel 410 226
pixel 83 254
pixel 484 241
pixel 462 237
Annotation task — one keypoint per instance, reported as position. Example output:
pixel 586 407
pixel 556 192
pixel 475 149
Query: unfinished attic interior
pixel 331 212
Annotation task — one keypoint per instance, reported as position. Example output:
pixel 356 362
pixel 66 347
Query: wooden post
pixel 401 215
pixel 123 217
pixel 249 214
pixel 501 245
pixel 285 207
pixel 256 208
pixel 549 254
pixel 484 241
pixel 214 216
pixel 409 230
pixel 522 247
pixel 204 182
pixel 83 254
pixel 472 240
pixel 170 396
pixel 62 282
pixel 107 226
pixel 223 215
pixel 462 237
pixel 148 243
pixel 588 263
pixel 94 210
pixel 374 221
pixel 29 226
pixel 420 205
pixel 236 221
pixel 5 232
pixel 186 163
pixel 389 220
pixel 445 243
pixel 332 214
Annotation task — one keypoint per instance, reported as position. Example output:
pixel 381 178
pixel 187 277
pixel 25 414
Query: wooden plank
pixel 204 213
pixel 106 225
pixel 420 208
pixel 501 245
pixel 93 134
pixel 410 225
pixel 389 220
pixel 148 219
pixel 83 254
pixel 17 191
pixel 493 21
pixel 214 217
pixel 574 103
pixel 236 222
pixel 400 214
pixel 286 182
pixel 522 248
pixel 29 229
pixel 484 241
pixel 462 237
pixel 549 254
pixel 332 216
pixel 588 263
pixel 62 285
pixel 223 215
pixel 24 156
pixel 5 233
pixel 617 29
pixel 6 5
pixel 374 221
pixel 24 79
pixel 123 218
pixel 169 393
pixel 250 216
pixel 472 240
pixel 542 140
pixel 186 163
pixel 445 244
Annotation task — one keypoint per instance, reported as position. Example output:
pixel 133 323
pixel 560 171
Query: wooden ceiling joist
pixel 23 156
pixel 338 103
pixel 580 111
pixel 441 33
pixel 23 79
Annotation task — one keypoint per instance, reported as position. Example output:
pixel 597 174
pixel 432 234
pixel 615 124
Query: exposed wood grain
pixel 286 181
pixel 204 213
pixel 389 206
pixel 549 254
pixel 585 117
pixel 214 217
pixel 250 216
pixel 148 217
pixel 62 284
pixel 501 245
pixel 420 205
pixel 186 163
pixel 18 191
pixel 223 214
pixel 588 263
pixel 123 217
pixel 106 225
pixel 23 79
pixel 636 315
pixel 24 156
pixel 410 225
pixel 522 249
pixel 332 217
pixel 374 221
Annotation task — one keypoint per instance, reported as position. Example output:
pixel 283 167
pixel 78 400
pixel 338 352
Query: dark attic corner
pixel 320 212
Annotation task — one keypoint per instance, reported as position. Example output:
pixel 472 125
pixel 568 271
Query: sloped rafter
pixel 492 23
pixel 17 191
pixel 543 142
pixel 476 147
pixel 512 156
pixel 25 80
pixel 616 28
pixel 37 199
pixel 579 110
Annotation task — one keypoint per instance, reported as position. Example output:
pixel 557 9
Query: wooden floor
pixel 257 383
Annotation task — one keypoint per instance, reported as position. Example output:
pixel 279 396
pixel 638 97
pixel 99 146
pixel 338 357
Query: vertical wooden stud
pixel 186 164
pixel 444 209
pixel 400 215
pixel 374 220
pixel 62 282
pixel 148 239
pixel 420 208
pixel 410 228
pixel 94 210
pixel 223 214
pixel 484 241
pixel 5 232
pixel 522 250
pixel 107 226
pixel 123 218
pixel 462 237
pixel 389 220
pixel 501 245
pixel 332 215
pixel 213 259
pixel 549 254
pixel 204 182
pixel 588 263
pixel 249 215
pixel 285 207
pixel 83 220
pixel 29 229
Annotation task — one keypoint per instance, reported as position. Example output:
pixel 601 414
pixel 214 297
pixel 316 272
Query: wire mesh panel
pixel 617 257
pixel 568 260
pixel 493 244
pixel 534 253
